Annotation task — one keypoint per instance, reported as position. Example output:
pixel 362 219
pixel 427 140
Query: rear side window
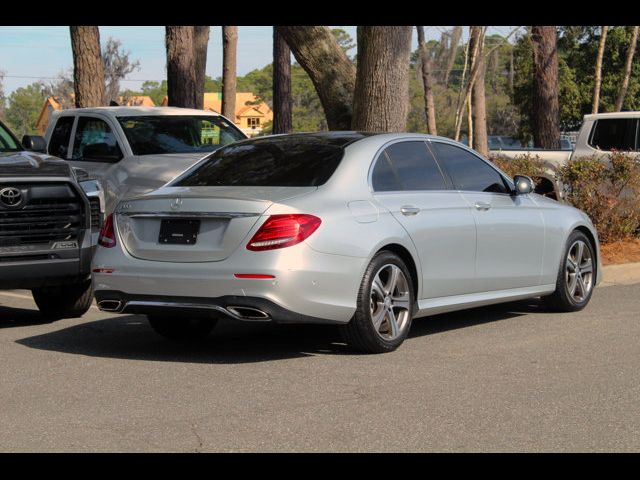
pixel 615 134
pixel 268 162
pixel 59 143
pixel 468 172
pixel 407 166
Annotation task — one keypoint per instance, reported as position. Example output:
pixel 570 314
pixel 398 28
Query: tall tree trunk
pixel 545 115
pixel 456 35
pixel 627 69
pixel 475 48
pixel 427 81
pixel 200 42
pixel 332 73
pixel 181 67
pixel 88 69
pixel 381 97
pixel 282 115
pixel 478 104
pixel 470 123
pixel 229 77
pixel 598 74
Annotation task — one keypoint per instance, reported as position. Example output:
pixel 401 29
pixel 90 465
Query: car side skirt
pixel 434 306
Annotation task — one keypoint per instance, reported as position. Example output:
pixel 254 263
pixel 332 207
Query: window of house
pixel 253 122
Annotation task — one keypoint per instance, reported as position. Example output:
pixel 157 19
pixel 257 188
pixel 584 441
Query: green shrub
pixel 524 164
pixel 607 191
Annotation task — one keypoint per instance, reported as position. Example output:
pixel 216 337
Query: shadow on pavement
pixel 21 317
pixel 130 337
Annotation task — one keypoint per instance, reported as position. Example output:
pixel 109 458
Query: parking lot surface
pixel 502 378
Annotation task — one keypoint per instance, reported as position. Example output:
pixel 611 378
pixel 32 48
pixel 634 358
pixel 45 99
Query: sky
pixel 28 54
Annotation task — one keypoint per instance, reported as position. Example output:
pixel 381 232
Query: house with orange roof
pixel 251 113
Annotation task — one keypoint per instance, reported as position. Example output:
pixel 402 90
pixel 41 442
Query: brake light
pixel 107 237
pixel 281 231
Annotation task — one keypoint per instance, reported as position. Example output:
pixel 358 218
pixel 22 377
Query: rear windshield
pixel 159 134
pixel 269 162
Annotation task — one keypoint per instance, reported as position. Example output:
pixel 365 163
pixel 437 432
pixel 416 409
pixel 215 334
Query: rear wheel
pixel 180 329
pixel 385 306
pixel 66 301
pixel 576 275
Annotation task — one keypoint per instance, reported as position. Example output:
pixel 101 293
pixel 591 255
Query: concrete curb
pixel 623 274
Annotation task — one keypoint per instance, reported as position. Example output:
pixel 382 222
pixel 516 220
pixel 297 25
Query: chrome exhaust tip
pixel 248 313
pixel 110 305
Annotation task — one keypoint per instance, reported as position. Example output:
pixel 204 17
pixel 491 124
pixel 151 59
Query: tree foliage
pixel 25 104
pixel 117 65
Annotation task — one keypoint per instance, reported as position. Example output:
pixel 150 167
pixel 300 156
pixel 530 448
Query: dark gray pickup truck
pixel 48 227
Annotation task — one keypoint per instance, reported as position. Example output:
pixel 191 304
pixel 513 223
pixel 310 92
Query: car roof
pixel 138 111
pixel 345 138
pixel 596 116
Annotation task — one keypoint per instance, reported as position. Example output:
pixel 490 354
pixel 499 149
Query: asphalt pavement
pixel 501 378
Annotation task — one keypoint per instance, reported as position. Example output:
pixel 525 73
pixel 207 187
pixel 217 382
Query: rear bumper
pixel 251 309
pixel 27 273
pixel 308 286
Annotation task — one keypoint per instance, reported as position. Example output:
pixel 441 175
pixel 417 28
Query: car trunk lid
pixel 160 226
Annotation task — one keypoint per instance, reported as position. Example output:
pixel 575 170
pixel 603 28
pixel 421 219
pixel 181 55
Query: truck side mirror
pixel 34 143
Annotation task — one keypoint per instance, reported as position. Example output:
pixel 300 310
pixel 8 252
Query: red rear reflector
pixel 107 237
pixel 281 231
pixel 252 275
pixel 103 270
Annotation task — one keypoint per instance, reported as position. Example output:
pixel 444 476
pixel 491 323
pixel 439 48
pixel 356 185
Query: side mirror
pixel 523 184
pixel 34 143
pixel 100 152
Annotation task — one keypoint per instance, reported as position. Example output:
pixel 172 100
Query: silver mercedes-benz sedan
pixel 361 230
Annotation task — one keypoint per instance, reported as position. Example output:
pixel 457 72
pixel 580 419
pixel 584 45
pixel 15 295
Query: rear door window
pixel 615 134
pixel 407 166
pixel 59 142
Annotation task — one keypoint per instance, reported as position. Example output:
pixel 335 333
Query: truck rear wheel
pixel 65 301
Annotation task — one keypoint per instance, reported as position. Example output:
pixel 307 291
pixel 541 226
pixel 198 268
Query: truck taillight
pixel 281 231
pixel 107 237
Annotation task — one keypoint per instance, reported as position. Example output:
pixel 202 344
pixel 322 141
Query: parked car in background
pixel 599 135
pixel 48 229
pixel 360 230
pixel 132 150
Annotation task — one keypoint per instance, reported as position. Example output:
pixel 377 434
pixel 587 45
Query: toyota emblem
pixel 10 197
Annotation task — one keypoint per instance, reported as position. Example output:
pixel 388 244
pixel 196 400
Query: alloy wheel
pixel 390 302
pixel 579 271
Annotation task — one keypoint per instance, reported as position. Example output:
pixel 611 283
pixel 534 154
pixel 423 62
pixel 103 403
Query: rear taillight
pixel 281 231
pixel 107 237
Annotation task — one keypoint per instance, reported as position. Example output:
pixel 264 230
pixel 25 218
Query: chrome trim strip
pixel 188 214
pixel 199 306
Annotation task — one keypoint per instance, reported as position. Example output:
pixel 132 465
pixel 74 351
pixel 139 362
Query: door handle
pixel 483 206
pixel 408 210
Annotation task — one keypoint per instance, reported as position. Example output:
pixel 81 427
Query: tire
pixel 574 290
pixel 375 303
pixel 182 329
pixel 66 301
